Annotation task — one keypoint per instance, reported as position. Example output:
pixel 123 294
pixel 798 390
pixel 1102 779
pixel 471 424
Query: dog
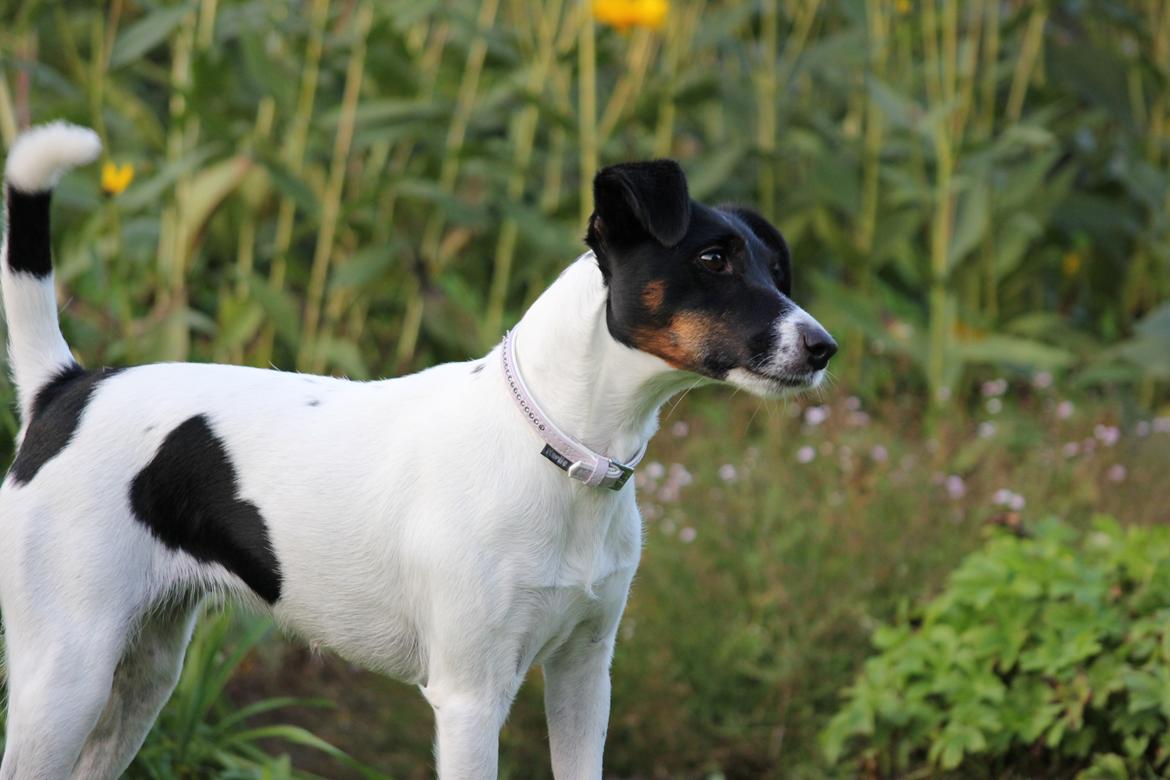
pixel 451 528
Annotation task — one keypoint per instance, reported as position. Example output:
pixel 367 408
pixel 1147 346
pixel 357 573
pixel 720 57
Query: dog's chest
pixel 585 586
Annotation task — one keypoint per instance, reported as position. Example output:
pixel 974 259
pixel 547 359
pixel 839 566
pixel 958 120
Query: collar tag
pixel 556 457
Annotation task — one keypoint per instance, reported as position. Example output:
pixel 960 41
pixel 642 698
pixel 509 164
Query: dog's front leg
pixel 576 703
pixel 467 734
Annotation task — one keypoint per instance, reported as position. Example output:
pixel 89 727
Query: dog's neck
pixel 602 392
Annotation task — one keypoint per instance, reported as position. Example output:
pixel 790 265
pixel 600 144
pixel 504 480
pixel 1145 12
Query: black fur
pixel 636 201
pixel 744 303
pixel 56 413
pixel 770 236
pixel 28 232
pixel 188 497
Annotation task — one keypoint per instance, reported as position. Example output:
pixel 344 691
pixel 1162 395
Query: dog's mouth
pixel 771 385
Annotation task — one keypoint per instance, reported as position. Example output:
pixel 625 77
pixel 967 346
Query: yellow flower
pixel 116 178
pixel 624 14
pixel 1070 264
pixel 903 6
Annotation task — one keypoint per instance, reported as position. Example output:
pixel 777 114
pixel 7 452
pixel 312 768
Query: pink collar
pixel 581 463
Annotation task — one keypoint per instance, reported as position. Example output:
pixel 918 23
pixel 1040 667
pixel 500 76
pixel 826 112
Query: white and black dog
pixel 411 525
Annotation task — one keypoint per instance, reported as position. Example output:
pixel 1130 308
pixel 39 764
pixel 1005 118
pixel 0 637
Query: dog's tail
pixel 36 349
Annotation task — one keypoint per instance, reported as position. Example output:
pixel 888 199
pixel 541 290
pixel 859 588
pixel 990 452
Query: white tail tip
pixel 41 154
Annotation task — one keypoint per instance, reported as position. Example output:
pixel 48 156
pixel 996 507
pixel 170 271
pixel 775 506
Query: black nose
pixel 820 346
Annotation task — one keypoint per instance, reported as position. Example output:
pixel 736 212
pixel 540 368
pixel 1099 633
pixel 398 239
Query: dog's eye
pixel 715 261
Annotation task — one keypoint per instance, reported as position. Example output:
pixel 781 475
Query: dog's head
pixel 705 289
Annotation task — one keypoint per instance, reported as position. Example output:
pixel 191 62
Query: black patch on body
pixel 188 497
pixel 28 232
pixel 56 413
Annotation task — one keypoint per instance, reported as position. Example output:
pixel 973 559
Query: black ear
pixel 767 232
pixel 633 200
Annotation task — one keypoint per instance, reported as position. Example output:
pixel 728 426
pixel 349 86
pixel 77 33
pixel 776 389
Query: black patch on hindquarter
pixel 188 497
pixel 28 232
pixel 56 413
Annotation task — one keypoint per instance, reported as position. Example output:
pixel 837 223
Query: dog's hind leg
pixel 143 681
pixel 58 683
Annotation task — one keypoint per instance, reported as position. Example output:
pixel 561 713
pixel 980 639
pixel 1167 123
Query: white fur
pixel 39 156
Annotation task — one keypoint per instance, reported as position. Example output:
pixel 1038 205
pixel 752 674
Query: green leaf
pixel 148 32
pixel 364 267
pixel 971 223
pixel 1007 350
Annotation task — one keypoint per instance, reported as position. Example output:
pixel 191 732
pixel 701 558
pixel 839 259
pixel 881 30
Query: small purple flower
pixel 680 429
pixel 1071 449
pixel 1008 498
pixel 1064 409
pixel 994 388
pixel 955 487
pixel 655 470
pixel 1162 425
pixel 994 406
pixel 679 475
pixel 853 403
pixel 1107 434
pixel 815 415
pixel 1117 473
pixel 986 430
pixel 879 453
pixel 805 454
pixel 1042 380
pixel 727 473
pixel 687 535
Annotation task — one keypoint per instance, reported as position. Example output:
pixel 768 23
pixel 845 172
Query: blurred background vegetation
pixel 978 199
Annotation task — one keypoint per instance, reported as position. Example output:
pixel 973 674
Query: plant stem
pixel 310 357
pixel 294 160
pixel 432 240
pixel 587 115
pixel 1029 53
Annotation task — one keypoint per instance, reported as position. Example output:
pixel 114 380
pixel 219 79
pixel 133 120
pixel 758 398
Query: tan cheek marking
pixel 653 294
pixel 682 343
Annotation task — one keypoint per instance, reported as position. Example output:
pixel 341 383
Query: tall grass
pixel 386 185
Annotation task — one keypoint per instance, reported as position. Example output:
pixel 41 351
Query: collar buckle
pixel 618 482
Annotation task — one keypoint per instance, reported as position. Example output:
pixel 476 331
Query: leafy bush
pixel 1048 654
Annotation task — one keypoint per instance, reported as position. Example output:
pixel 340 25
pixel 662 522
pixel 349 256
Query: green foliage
pixel 365 188
pixel 1045 655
